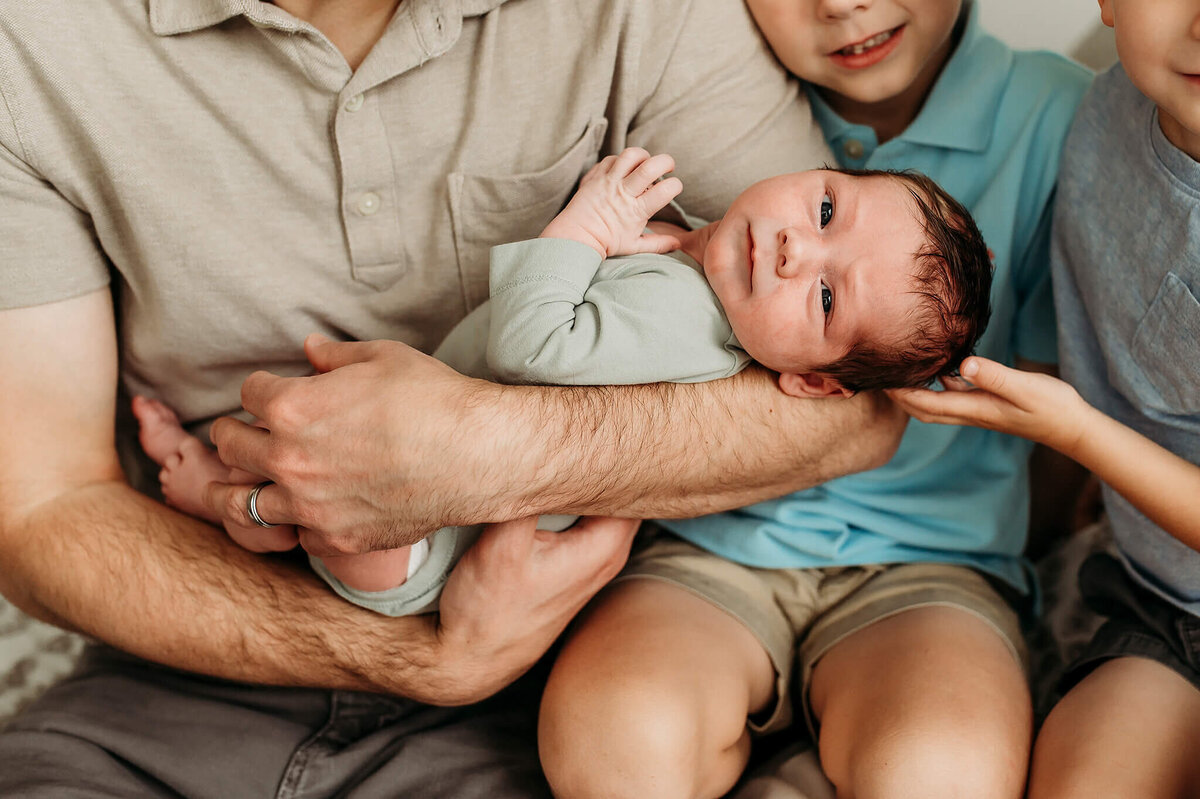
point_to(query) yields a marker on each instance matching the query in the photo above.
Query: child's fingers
(987, 374)
(650, 170)
(945, 407)
(912, 400)
(656, 242)
(660, 194)
(951, 383)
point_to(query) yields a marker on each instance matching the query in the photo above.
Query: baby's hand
(615, 201)
(1027, 404)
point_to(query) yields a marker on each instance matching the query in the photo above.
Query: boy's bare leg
(926, 704)
(649, 697)
(188, 466)
(1130, 728)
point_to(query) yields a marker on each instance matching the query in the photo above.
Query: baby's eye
(826, 299)
(826, 210)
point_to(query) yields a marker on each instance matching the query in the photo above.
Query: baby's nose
(790, 247)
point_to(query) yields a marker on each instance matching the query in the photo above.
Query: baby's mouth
(750, 261)
(868, 44)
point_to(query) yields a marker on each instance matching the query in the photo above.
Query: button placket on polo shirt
(368, 190)
(421, 29)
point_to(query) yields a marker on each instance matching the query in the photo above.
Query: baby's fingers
(648, 171)
(660, 194)
(655, 242)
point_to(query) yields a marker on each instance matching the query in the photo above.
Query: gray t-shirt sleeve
(48, 250)
(562, 315)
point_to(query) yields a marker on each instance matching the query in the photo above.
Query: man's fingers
(599, 543)
(230, 502)
(259, 389)
(242, 446)
(325, 354)
(512, 541)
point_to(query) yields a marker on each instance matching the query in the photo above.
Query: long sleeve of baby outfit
(561, 314)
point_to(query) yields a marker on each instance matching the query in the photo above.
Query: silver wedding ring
(252, 504)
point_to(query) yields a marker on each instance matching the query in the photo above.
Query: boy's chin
(866, 90)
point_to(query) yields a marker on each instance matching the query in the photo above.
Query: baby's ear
(812, 385)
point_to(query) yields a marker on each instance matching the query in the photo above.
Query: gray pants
(120, 727)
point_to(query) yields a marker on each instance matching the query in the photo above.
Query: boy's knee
(633, 742)
(942, 764)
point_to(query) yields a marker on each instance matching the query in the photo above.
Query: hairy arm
(438, 448)
(82, 550)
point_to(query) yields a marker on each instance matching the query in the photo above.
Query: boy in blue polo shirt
(889, 592)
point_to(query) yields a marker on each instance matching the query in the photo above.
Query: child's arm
(1049, 411)
(561, 313)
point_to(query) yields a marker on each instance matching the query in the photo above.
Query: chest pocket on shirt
(1166, 347)
(491, 210)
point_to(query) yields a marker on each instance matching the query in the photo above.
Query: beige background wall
(1071, 27)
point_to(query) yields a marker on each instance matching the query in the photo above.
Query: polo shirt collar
(171, 17)
(974, 77)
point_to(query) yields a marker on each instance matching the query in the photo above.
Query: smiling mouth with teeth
(868, 44)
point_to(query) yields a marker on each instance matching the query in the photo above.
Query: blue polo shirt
(990, 132)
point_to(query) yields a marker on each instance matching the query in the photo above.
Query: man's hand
(341, 456)
(513, 593)
(1035, 406)
(616, 199)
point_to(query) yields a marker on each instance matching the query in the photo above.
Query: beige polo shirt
(219, 163)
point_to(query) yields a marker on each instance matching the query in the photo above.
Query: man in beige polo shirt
(187, 188)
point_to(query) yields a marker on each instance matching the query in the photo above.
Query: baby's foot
(159, 429)
(186, 474)
(187, 465)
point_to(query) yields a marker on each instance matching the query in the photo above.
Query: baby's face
(807, 265)
(865, 50)
(1159, 45)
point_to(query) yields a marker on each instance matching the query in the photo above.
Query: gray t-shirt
(1126, 260)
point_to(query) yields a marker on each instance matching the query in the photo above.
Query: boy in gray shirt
(1126, 260)
(841, 281)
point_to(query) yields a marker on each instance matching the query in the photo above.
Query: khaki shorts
(800, 614)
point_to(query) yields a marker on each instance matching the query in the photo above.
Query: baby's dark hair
(954, 281)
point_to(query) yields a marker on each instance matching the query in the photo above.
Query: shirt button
(368, 203)
(354, 103)
(853, 149)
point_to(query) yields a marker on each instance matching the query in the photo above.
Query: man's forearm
(115, 565)
(385, 445)
(675, 450)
